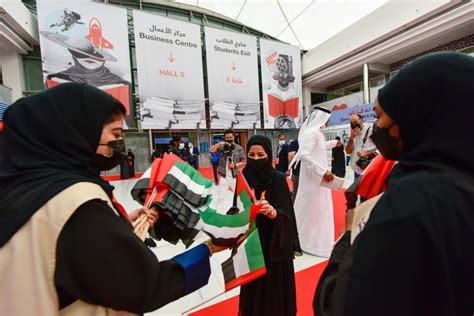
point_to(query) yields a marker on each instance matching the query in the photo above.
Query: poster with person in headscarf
(86, 42)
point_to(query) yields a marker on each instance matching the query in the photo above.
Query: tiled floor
(213, 292)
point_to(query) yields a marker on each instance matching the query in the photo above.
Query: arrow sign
(234, 67)
(171, 58)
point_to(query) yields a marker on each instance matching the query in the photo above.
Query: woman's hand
(152, 215)
(267, 210)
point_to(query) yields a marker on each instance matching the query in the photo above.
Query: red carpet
(339, 204)
(306, 280)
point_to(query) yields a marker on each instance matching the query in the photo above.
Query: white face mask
(181, 146)
(281, 142)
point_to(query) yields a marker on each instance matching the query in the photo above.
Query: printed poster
(82, 41)
(232, 69)
(281, 85)
(170, 75)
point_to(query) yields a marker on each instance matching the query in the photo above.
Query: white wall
(388, 19)
(18, 17)
(5, 95)
(13, 74)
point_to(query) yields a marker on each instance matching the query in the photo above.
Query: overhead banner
(341, 116)
(232, 72)
(86, 42)
(170, 76)
(344, 102)
(281, 85)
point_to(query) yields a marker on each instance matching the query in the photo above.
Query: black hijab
(47, 145)
(431, 101)
(259, 181)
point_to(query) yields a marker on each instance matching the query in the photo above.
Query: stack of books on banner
(223, 114)
(188, 113)
(165, 113)
(247, 114)
(226, 115)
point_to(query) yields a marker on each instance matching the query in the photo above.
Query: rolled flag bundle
(177, 190)
(245, 264)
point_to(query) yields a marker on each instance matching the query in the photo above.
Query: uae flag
(230, 212)
(372, 182)
(177, 189)
(188, 183)
(246, 263)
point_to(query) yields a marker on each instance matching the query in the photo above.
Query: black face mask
(117, 146)
(104, 163)
(354, 125)
(256, 165)
(386, 143)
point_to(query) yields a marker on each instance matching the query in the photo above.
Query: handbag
(363, 162)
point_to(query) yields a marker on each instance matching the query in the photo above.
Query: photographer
(360, 145)
(228, 148)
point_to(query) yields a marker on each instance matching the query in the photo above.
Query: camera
(227, 149)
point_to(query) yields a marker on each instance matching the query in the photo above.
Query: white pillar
(366, 91)
(13, 74)
(151, 141)
(306, 101)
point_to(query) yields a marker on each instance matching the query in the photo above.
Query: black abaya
(127, 166)
(338, 161)
(274, 293)
(415, 255)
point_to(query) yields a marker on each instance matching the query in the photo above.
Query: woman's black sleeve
(101, 261)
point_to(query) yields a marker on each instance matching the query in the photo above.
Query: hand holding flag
(142, 224)
(266, 209)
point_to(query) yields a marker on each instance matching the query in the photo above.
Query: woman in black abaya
(415, 255)
(274, 293)
(127, 166)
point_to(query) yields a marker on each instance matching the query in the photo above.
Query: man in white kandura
(313, 203)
